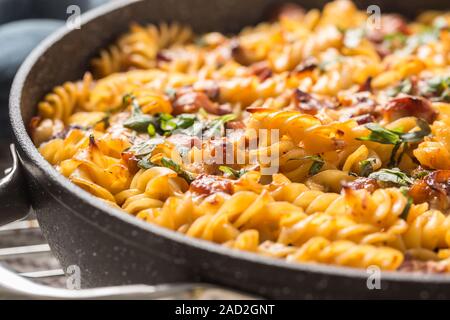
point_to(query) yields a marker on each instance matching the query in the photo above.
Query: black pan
(114, 248)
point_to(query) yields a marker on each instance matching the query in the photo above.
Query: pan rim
(27, 146)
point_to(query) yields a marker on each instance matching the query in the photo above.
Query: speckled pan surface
(113, 248)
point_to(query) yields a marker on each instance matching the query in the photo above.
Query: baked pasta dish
(318, 136)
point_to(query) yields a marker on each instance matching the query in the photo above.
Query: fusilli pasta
(311, 137)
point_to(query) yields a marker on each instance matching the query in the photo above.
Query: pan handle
(13, 286)
(14, 203)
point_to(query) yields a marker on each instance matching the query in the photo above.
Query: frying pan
(113, 248)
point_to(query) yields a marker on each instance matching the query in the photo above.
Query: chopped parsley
(169, 163)
(396, 138)
(392, 176)
(232, 172)
(366, 166)
(216, 127)
(405, 212)
(437, 88)
(138, 120)
(404, 86)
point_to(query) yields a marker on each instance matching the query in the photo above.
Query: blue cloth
(11, 10)
(35, 19)
(23, 24)
(18, 39)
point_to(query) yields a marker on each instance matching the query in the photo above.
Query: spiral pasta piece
(58, 150)
(347, 253)
(429, 230)
(435, 151)
(109, 61)
(150, 188)
(139, 48)
(65, 99)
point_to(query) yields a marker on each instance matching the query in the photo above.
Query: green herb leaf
(438, 88)
(394, 176)
(145, 147)
(417, 136)
(366, 167)
(127, 99)
(184, 121)
(169, 163)
(216, 127)
(168, 124)
(145, 163)
(404, 86)
(317, 163)
(395, 40)
(195, 130)
(381, 135)
(405, 212)
(428, 35)
(420, 173)
(316, 167)
(151, 130)
(138, 121)
(396, 138)
(395, 36)
(104, 120)
(232, 172)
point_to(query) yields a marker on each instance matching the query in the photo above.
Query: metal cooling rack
(29, 270)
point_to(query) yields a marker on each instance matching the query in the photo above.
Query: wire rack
(23, 250)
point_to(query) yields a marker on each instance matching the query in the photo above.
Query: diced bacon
(309, 64)
(390, 24)
(408, 106)
(237, 124)
(307, 103)
(130, 161)
(209, 184)
(192, 101)
(434, 188)
(362, 183)
(209, 87)
(262, 70)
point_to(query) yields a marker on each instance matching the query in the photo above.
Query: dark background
(23, 24)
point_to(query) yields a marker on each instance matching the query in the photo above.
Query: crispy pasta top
(315, 137)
